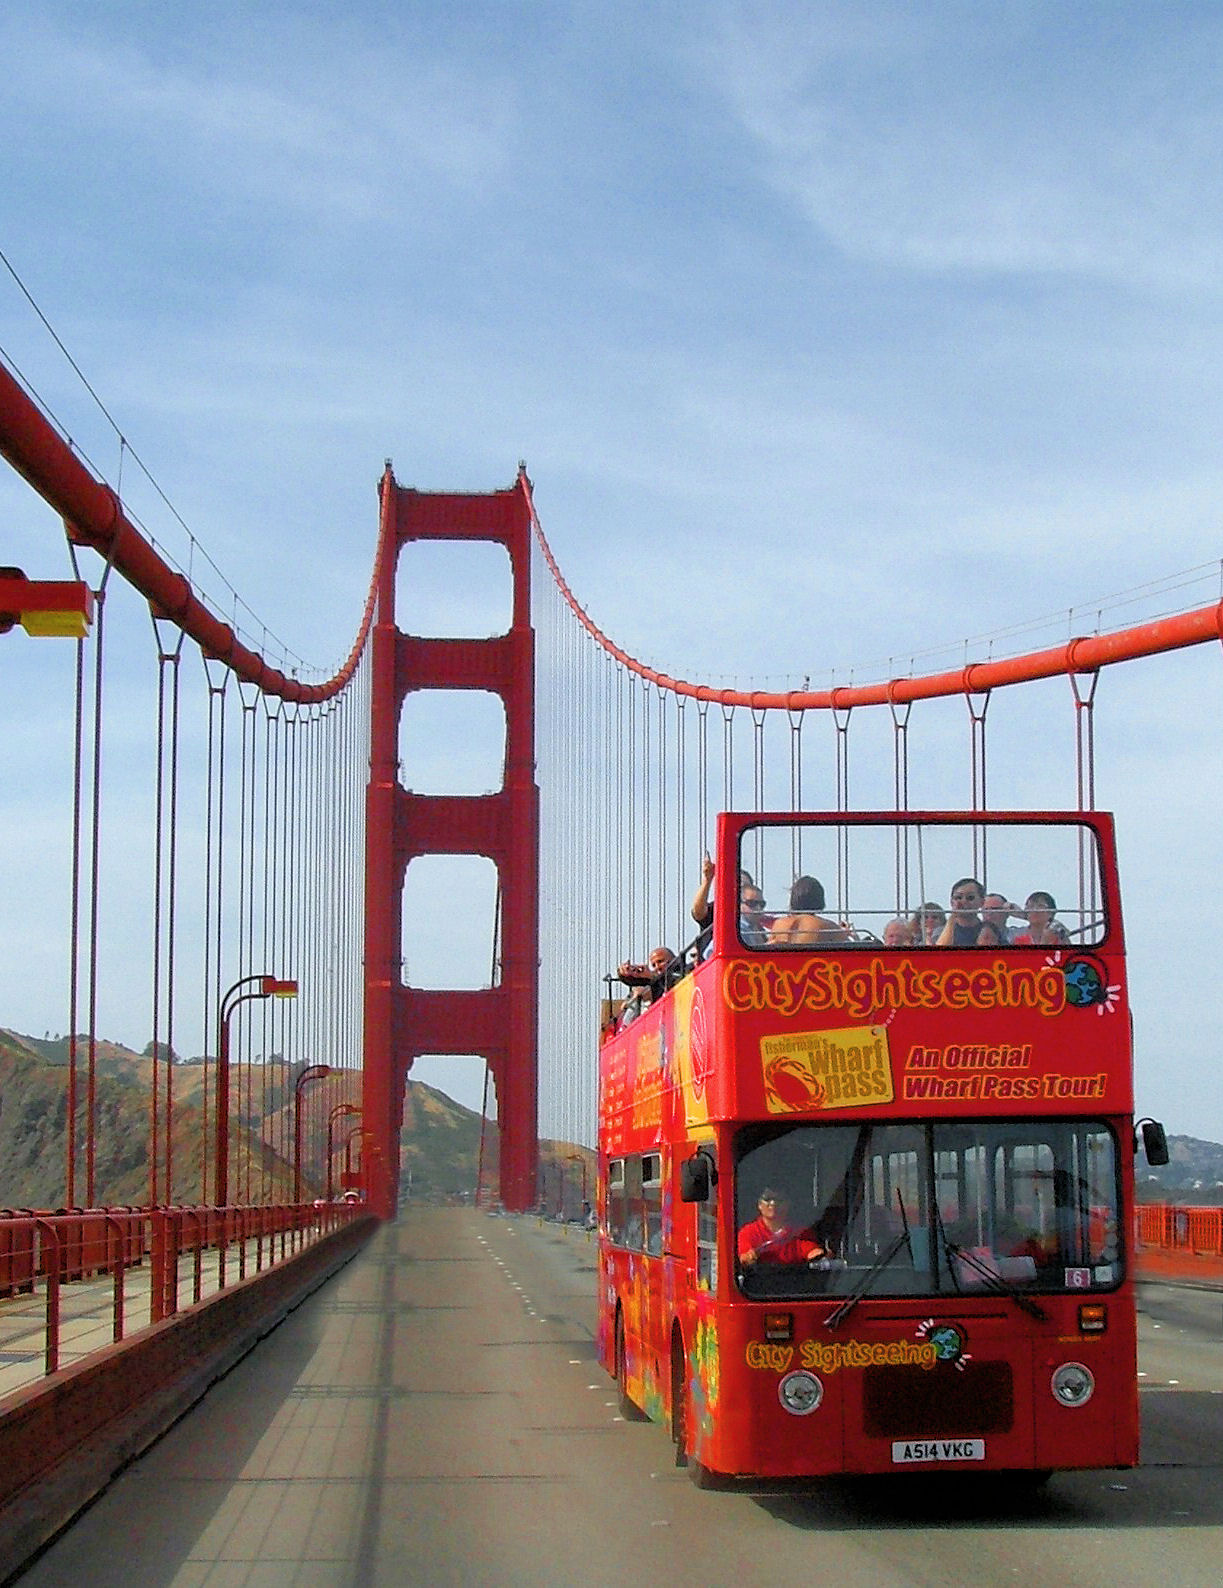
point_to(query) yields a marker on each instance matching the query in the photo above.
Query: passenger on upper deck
(965, 928)
(770, 1238)
(1043, 930)
(995, 912)
(926, 925)
(661, 972)
(898, 934)
(803, 925)
(751, 903)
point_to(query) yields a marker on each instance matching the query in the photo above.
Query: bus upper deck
(983, 1005)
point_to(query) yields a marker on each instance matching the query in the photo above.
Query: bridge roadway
(434, 1415)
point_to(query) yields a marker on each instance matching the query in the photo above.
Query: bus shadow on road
(1168, 1496)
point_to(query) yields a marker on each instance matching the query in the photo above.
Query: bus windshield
(918, 883)
(927, 1208)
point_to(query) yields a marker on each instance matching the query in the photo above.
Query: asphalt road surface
(435, 1416)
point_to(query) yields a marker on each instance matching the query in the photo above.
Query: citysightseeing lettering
(830, 1356)
(822, 984)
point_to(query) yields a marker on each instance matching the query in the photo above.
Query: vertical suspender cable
(661, 915)
(95, 869)
(840, 718)
(758, 720)
(728, 758)
(75, 928)
(647, 791)
(796, 788)
(172, 913)
(900, 794)
(629, 873)
(246, 893)
(980, 800)
(704, 836)
(682, 935)
(1085, 787)
(213, 893)
(273, 718)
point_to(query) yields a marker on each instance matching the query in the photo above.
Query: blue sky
(868, 329)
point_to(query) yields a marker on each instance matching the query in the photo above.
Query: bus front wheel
(629, 1410)
(681, 1420)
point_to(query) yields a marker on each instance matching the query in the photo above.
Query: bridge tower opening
(499, 1022)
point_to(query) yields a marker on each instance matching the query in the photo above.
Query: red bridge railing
(158, 1261)
(1176, 1242)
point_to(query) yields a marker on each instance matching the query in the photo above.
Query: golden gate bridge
(282, 831)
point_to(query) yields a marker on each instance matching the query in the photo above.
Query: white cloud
(311, 120)
(956, 142)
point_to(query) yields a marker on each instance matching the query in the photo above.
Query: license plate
(910, 1450)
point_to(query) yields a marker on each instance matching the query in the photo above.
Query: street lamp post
(312, 1072)
(242, 991)
(338, 1112)
(357, 1130)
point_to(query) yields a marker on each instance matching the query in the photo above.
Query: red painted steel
(61, 607)
(1083, 655)
(94, 516)
(498, 1023)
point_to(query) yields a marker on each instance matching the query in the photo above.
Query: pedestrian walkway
(421, 1419)
(87, 1309)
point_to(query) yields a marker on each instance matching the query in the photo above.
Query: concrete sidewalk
(87, 1311)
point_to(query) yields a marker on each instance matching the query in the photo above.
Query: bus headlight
(1072, 1384)
(800, 1393)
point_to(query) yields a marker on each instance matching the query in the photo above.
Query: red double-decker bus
(866, 1155)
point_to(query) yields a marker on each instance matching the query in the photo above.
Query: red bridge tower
(499, 1023)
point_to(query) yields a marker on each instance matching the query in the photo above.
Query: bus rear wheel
(629, 1409)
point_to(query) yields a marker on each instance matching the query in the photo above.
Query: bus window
(707, 1235)
(857, 877)
(634, 1224)
(617, 1213)
(651, 1202)
(936, 1207)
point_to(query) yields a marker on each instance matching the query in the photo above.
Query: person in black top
(752, 926)
(965, 928)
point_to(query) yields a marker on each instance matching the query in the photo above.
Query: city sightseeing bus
(951, 1286)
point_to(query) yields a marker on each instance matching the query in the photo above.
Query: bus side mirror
(697, 1178)
(1154, 1142)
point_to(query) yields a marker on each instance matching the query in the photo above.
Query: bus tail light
(779, 1325)
(1093, 1318)
(1072, 1384)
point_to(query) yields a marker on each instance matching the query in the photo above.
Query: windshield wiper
(990, 1279)
(835, 1319)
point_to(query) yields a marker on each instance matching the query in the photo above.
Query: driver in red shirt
(772, 1239)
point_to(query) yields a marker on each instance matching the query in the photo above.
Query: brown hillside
(440, 1141)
